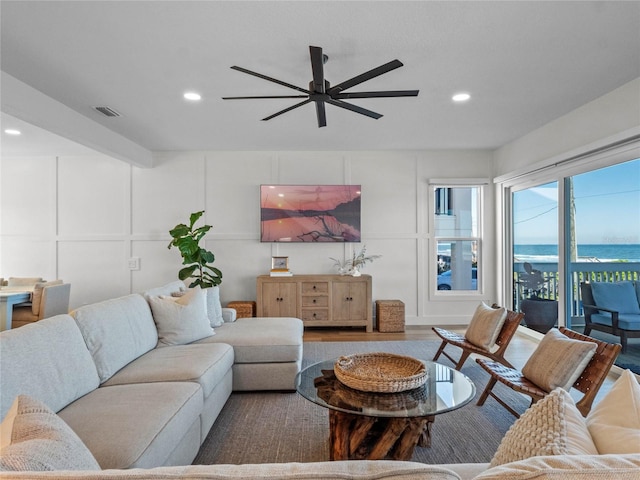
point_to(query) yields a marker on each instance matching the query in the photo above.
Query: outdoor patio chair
(617, 312)
(588, 382)
(459, 340)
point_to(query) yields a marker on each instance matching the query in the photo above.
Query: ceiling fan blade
(354, 108)
(363, 77)
(317, 68)
(265, 96)
(264, 77)
(388, 93)
(321, 114)
(288, 109)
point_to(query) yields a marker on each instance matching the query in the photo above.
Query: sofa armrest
(229, 314)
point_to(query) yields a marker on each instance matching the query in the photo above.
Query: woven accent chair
(589, 381)
(458, 340)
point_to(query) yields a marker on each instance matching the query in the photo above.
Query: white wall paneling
(165, 195)
(110, 211)
(96, 269)
(93, 196)
(28, 196)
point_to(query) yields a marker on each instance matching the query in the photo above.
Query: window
(456, 235)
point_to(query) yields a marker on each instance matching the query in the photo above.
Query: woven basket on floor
(380, 372)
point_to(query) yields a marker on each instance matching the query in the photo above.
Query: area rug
(267, 427)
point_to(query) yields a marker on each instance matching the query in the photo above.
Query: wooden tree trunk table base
(359, 437)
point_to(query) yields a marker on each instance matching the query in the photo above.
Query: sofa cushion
(568, 467)
(618, 296)
(551, 426)
(262, 339)
(39, 440)
(343, 470)
(558, 361)
(485, 326)
(614, 422)
(205, 364)
(47, 360)
(117, 331)
(181, 320)
(139, 425)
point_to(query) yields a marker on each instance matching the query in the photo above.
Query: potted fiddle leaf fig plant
(197, 260)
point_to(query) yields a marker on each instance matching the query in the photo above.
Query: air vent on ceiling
(107, 111)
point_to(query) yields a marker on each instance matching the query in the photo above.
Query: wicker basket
(243, 308)
(380, 372)
(390, 315)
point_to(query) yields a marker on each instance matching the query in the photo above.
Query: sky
(607, 208)
(306, 197)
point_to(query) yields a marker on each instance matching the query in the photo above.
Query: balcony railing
(580, 272)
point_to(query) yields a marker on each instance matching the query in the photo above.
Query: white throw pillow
(214, 307)
(614, 422)
(558, 361)
(181, 320)
(40, 440)
(551, 426)
(485, 326)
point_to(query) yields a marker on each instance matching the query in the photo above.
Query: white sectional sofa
(133, 403)
(93, 396)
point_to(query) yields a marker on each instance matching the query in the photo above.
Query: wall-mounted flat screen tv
(310, 213)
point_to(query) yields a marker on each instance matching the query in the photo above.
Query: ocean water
(607, 252)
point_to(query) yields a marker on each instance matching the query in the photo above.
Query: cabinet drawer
(315, 315)
(315, 287)
(320, 301)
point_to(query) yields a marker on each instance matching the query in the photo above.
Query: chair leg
(486, 392)
(623, 341)
(444, 344)
(587, 330)
(463, 358)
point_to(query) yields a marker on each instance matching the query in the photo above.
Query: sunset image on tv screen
(310, 213)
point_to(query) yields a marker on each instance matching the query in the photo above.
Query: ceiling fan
(321, 92)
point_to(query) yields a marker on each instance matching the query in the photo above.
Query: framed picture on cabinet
(279, 264)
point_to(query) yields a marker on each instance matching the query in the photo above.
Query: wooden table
(9, 298)
(374, 426)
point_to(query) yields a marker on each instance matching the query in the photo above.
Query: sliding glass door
(535, 255)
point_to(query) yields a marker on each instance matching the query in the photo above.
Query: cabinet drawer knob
(314, 300)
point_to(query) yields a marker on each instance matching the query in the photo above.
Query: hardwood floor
(519, 351)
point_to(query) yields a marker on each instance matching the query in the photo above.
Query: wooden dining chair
(458, 340)
(52, 299)
(589, 381)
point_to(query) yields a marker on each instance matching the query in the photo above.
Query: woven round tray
(380, 372)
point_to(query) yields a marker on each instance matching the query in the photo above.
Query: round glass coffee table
(373, 426)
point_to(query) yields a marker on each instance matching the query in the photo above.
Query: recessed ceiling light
(12, 131)
(461, 97)
(193, 96)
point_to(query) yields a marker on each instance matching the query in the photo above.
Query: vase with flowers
(353, 265)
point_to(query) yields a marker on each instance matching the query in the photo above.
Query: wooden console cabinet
(319, 300)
